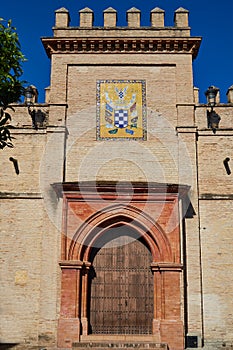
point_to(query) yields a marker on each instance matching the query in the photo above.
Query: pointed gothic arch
(96, 225)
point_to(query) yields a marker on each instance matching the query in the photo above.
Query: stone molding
(124, 45)
(163, 266)
(143, 191)
(21, 195)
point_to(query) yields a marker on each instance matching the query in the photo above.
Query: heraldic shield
(121, 109)
(121, 118)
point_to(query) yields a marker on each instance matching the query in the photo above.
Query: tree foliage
(11, 87)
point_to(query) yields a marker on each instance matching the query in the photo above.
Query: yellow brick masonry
(179, 149)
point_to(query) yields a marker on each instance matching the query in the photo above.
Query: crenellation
(62, 18)
(47, 94)
(230, 94)
(196, 95)
(86, 18)
(157, 17)
(133, 16)
(181, 18)
(110, 17)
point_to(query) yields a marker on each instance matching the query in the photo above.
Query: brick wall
(179, 149)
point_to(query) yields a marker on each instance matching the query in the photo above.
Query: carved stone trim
(71, 264)
(124, 45)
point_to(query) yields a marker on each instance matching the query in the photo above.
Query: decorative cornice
(115, 189)
(121, 45)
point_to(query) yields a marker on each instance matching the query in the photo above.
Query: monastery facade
(116, 199)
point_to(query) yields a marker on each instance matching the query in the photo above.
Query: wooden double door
(121, 286)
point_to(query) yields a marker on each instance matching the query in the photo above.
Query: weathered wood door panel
(121, 293)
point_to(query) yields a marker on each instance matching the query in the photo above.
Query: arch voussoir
(95, 226)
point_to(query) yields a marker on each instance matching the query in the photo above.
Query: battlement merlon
(111, 38)
(133, 18)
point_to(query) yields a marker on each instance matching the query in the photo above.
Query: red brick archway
(89, 213)
(119, 214)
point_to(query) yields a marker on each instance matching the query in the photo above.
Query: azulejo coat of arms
(121, 109)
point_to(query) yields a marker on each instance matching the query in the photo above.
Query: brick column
(157, 303)
(69, 321)
(84, 318)
(167, 306)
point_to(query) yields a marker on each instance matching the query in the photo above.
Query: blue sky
(210, 19)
